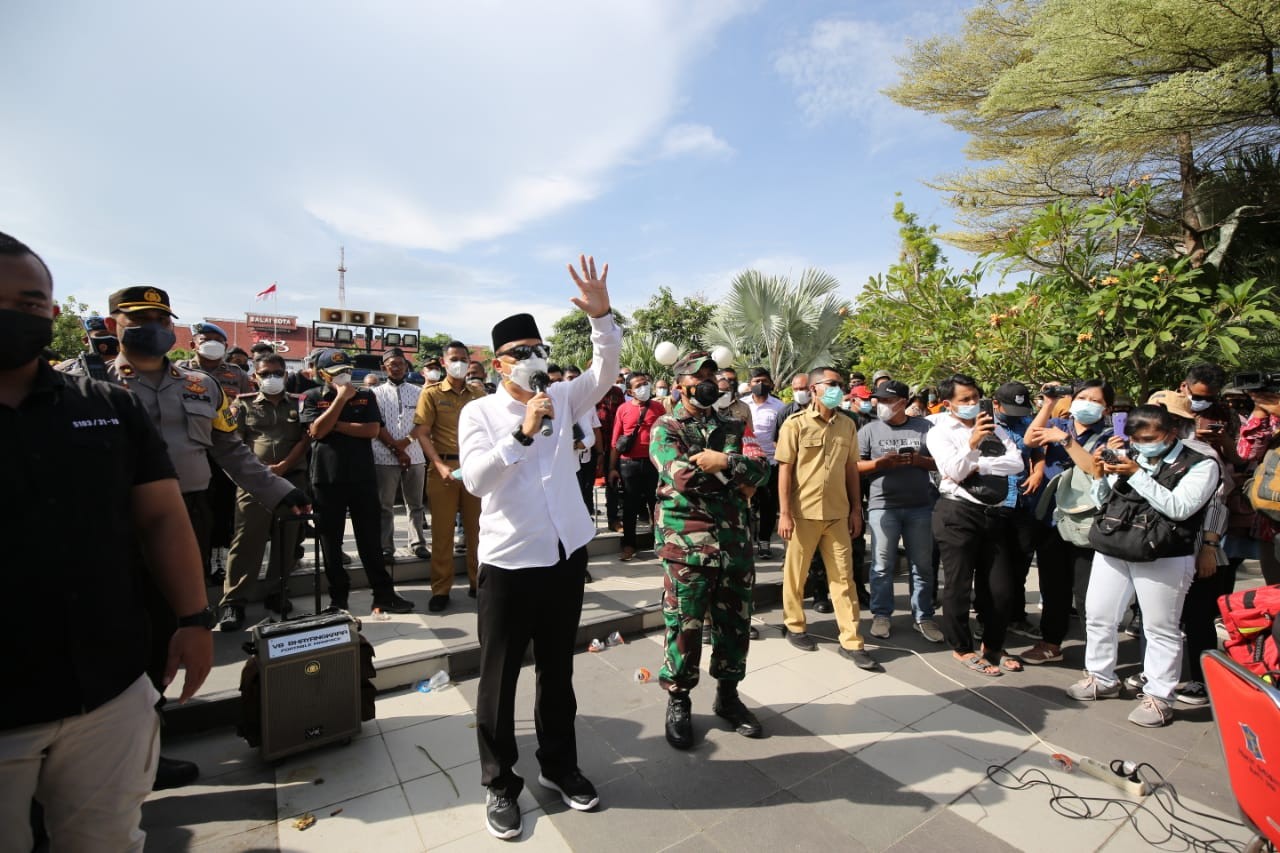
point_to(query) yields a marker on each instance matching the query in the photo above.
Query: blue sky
(462, 153)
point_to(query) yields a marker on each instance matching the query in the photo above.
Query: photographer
(1152, 503)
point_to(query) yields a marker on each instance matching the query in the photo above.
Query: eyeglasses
(522, 351)
(265, 374)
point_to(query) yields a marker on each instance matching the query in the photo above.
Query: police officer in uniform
(210, 344)
(269, 423)
(194, 418)
(704, 539)
(343, 421)
(100, 348)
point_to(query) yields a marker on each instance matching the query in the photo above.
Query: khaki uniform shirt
(270, 429)
(819, 450)
(438, 410)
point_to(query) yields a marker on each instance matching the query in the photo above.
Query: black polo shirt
(339, 458)
(72, 578)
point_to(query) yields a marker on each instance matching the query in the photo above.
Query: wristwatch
(1212, 543)
(202, 619)
(519, 436)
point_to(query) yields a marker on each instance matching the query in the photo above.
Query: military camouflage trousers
(708, 590)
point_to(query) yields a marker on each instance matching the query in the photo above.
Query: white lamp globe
(666, 353)
(723, 356)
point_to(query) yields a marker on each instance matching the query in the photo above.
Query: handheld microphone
(540, 382)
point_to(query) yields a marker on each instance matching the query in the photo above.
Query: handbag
(624, 442)
(1131, 529)
(1068, 494)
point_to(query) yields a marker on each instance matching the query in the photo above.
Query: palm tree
(788, 328)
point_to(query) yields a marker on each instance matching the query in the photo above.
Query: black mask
(105, 346)
(22, 337)
(704, 393)
(149, 339)
(760, 389)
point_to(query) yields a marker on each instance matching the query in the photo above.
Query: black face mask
(22, 337)
(760, 390)
(148, 340)
(105, 346)
(704, 393)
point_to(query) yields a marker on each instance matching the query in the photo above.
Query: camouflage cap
(693, 362)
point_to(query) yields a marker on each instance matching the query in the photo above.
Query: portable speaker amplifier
(310, 678)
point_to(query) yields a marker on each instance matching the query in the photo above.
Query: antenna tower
(342, 277)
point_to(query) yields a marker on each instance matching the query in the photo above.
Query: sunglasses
(269, 373)
(524, 351)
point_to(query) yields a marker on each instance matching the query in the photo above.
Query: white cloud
(214, 148)
(696, 139)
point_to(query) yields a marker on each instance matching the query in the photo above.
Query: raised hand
(594, 298)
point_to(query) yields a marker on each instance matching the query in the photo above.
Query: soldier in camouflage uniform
(704, 463)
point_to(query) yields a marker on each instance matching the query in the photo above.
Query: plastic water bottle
(595, 646)
(435, 683)
(642, 676)
(615, 639)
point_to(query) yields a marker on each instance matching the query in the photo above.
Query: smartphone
(984, 406)
(1208, 425)
(1118, 422)
(906, 451)
(1109, 456)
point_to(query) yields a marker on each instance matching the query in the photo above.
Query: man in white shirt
(397, 456)
(975, 459)
(518, 458)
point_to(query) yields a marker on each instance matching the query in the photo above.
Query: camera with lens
(1257, 381)
(1056, 391)
(1109, 456)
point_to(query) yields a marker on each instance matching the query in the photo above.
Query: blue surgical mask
(866, 407)
(832, 397)
(966, 413)
(1086, 411)
(1151, 451)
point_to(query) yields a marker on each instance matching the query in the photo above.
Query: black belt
(998, 510)
(452, 456)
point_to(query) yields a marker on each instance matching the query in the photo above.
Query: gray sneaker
(1136, 682)
(1152, 713)
(1089, 688)
(930, 630)
(880, 627)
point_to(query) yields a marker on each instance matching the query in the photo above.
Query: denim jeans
(912, 526)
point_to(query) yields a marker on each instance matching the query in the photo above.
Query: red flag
(265, 293)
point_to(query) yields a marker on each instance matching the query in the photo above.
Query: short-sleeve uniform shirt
(438, 410)
(820, 450)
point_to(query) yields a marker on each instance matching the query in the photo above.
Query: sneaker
(574, 789)
(422, 552)
(763, 551)
(232, 618)
(1134, 628)
(801, 640)
(502, 816)
(880, 627)
(393, 604)
(1151, 713)
(438, 603)
(1089, 689)
(822, 605)
(680, 721)
(1191, 693)
(1042, 652)
(1136, 682)
(1025, 628)
(728, 705)
(861, 659)
(628, 554)
(930, 630)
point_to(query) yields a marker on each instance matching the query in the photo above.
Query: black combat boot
(680, 721)
(730, 707)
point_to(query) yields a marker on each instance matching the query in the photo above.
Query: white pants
(1161, 585)
(90, 772)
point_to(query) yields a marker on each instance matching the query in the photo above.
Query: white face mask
(847, 405)
(641, 393)
(884, 411)
(434, 375)
(272, 385)
(724, 401)
(212, 350)
(801, 397)
(457, 369)
(340, 379)
(522, 371)
(664, 392)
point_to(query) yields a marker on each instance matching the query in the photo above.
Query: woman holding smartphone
(1153, 498)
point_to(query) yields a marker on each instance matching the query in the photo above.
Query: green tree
(68, 328)
(571, 338)
(767, 320)
(1067, 98)
(683, 323)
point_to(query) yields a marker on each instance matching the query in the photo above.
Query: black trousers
(332, 502)
(515, 607)
(1058, 564)
(639, 492)
(764, 505)
(222, 505)
(1022, 534)
(1199, 609)
(587, 484)
(971, 539)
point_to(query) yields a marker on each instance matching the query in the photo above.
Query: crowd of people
(1132, 516)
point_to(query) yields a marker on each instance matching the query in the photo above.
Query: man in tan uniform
(820, 508)
(437, 431)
